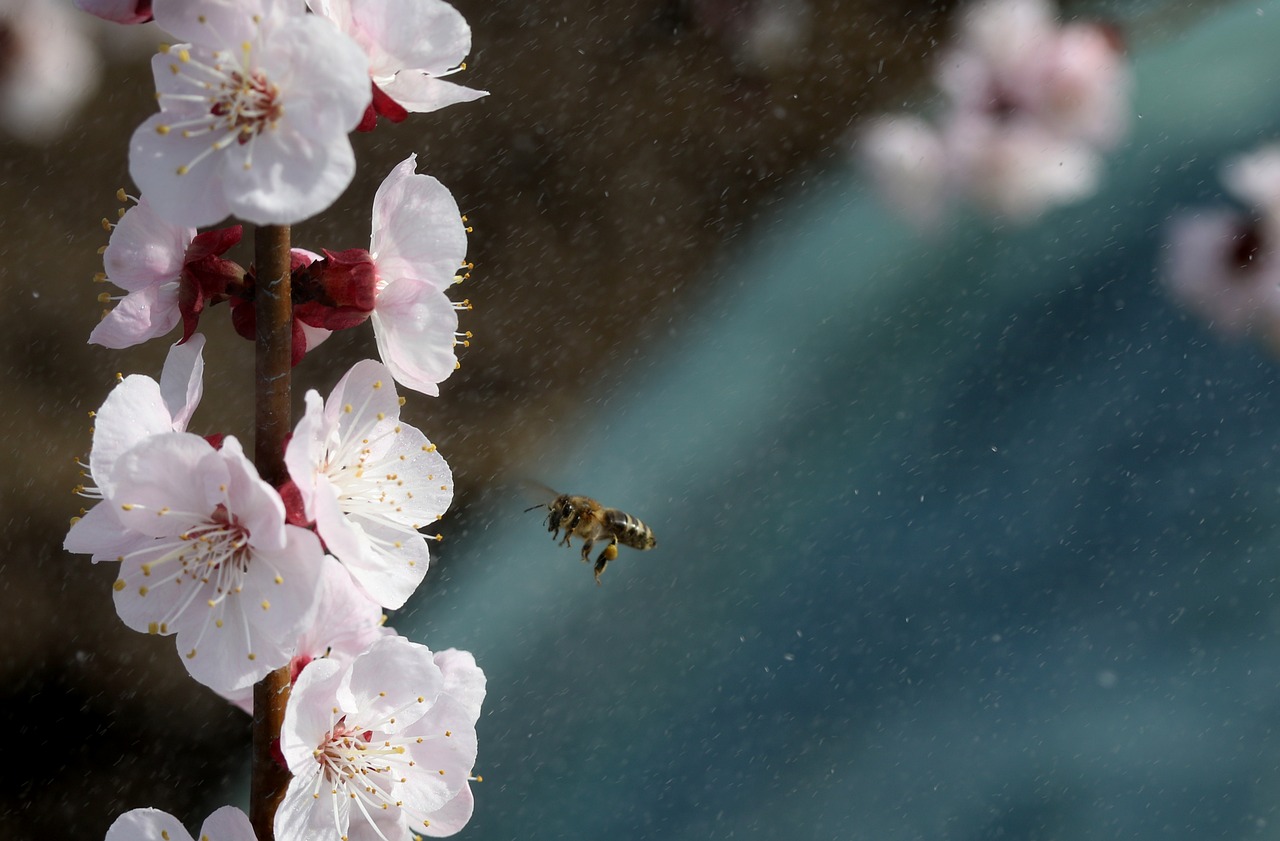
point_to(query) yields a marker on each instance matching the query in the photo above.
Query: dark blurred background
(960, 537)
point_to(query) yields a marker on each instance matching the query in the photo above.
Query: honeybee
(583, 516)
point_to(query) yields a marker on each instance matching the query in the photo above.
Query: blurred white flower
(1221, 268)
(1030, 105)
(48, 67)
(1224, 265)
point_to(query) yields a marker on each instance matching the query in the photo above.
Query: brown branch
(273, 313)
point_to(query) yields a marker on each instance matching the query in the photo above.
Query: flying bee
(583, 516)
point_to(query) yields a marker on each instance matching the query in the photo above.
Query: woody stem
(273, 312)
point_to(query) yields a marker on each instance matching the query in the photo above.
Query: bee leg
(610, 552)
(586, 550)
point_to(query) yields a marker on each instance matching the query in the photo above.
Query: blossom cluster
(1030, 106)
(256, 103)
(171, 274)
(1224, 264)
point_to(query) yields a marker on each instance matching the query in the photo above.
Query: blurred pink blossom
(1030, 106)
(1223, 264)
(50, 66)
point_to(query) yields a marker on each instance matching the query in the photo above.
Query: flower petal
(182, 380)
(147, 825)
(393, 684)
(414, 324)
(417, 228)
(420, 93)
(137, 317)
(145, 249)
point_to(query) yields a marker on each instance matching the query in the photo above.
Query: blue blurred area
(969, 537)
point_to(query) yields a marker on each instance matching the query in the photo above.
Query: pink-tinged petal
(414, 325)
(132, 412)
(306, 450)
(417, 228)
(386, 823)
(255, 632)
(285, 587)
(117, 11)
(50, 68)
(252, 501)
(1088, 86)
(364, 399)
(227, 651)
(309, 716)
(304, 817)
(425, 482)
(1007, 34)
(145, 249)
(166, 482)
(1220, 269)
(450, 818)
(148, 825)
(219, 23)
(100, 534)
(347, 621)
(1018, 168)
(138, 408)
(393, 684)
(314, 336)
(337, 11)
(193, 198)
(182, 380)
(417, 92)
(905, 159)
(227, 824)
(463, 680)
(1254, 179)
(448, 745)
(392, 560)
(428, 35)
(147, 596)
(138, 317)
(340, 535)
(292, 177)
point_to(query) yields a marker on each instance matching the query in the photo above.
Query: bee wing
(533, 490)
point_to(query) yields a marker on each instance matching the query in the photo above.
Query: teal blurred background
(963, 537)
